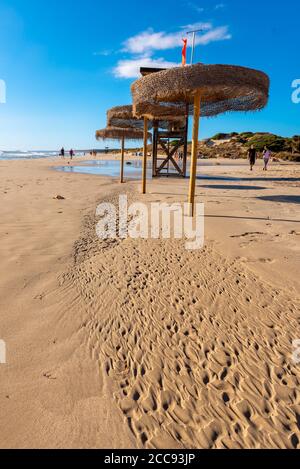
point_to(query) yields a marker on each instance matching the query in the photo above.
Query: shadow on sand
(246, 179)
(283, 199)
(264, 219)
(237, 187)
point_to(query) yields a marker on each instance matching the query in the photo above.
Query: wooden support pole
(154, 148)
(122, 160)
(145, 155)
(193, 170)
(185, 148)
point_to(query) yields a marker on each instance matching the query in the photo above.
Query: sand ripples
(198, 348)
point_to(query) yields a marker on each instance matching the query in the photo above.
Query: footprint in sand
(295, 233)
(206, 364)
(266, 261)
(250, 234)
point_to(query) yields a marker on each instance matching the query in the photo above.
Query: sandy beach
(141, 343)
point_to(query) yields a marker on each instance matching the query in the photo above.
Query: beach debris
(49, 375)
(39, 297)
(59, 197)
(253, 233)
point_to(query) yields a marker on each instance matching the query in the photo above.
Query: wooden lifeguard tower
(170, 142)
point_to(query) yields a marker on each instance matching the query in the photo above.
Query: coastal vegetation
(236, 145)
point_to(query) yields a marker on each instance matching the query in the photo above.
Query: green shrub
(240, 139)
(220, 136)
(173, 143)
(295, 143)
(272, 142)
(246, 135)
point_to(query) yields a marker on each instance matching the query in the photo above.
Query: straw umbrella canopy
(222, 88)
(219, 89)
(165, 112)
(118, 133)
(124, 116)
(122, 134)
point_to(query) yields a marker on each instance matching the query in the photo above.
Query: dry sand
(115, 344)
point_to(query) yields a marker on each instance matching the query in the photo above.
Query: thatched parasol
(118, 133)
(219, 88)
(124, 116)
(232, 88)
(163, 112)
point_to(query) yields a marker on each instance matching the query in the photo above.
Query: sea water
(30, 155)
(132, 169)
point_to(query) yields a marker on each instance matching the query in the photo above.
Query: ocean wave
(26, 155)
(30, 155)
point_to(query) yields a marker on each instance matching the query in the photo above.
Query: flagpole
(194, 33)
(193, 170)
(193, 47)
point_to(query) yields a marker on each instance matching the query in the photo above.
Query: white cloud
(130, 68)
(217, 34)
(196, 26)
(195, 7)
(142, 47)
(104, 53)
(149, 41)
(219, 6)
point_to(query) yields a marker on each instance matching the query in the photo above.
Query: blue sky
(65, 62)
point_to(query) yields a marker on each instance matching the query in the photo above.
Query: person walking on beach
(71, 154)
(252, 157)
(266, 157)
(62, 152)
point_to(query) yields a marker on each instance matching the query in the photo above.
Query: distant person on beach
(252, 157)
(266, 157)
(62, 152)
(71, 154)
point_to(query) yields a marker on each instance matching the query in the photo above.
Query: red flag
(184, 52)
